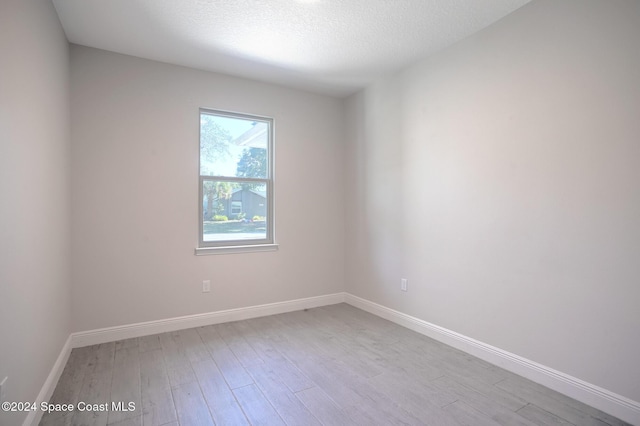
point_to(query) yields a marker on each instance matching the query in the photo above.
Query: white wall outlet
(206, 286)
(3, 390)
(403, 284)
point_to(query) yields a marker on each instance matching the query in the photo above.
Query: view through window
(235, 179)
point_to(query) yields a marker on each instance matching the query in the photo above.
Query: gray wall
(514, 158)
(135, 193)
(34, 197)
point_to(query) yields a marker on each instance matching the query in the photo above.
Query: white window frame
(239, 245)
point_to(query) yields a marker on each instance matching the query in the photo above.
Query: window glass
(233, 146)
(235, 179)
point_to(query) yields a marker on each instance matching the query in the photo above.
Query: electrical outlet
(206, 286)
(403, 284)
(3, 389)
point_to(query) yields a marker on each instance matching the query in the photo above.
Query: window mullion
(234, 179)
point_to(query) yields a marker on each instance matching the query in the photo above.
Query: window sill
(204, 251)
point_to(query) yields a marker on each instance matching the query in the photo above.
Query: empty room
(319, 212)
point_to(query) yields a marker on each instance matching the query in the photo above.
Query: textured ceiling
(328, 46)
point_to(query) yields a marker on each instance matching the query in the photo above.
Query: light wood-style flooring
(335, 365)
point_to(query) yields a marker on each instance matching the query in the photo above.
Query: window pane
(236, 207)
(231, 146)
(234, 211)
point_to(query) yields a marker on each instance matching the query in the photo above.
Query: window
(236, 207)
(236, 181)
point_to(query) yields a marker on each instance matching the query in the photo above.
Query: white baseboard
(33, 418)
(590, 394)
(110, 334)
(595, 396)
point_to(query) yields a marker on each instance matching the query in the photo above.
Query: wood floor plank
(181, 375)
(95, 390)
(157, 400)
(400, 357)
(256, 407)
(290, 375)
(287, 372)
(132, 421)
(476, 399)
(464, 415)
(509, 418)
(174, 354)
(222, 403)
(126, 343)
(549, 403)
(422, 406)
(271, 327)
(125, 383)
(358, 415)
(149, 343)
(238, 345)
(386, 411)
(347, 389)
(209, 335)
(103, 356)
(324, 378)
(507, 399)
(176, 359)
(192, 345)
(69, 386)
(452, 362)
(191, 407)
(57, 418)
(412, 391)
(288, 406)
(233, 372)
(323, 407)
(380, 329)
(540, 417)
(332, 345)
(568, 401)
